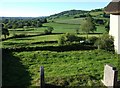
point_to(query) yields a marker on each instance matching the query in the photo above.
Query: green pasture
(76, 68)
(96, 13)
(71, 21)
(67, 68)
(30, 41)
(71, 28)
(62, 28)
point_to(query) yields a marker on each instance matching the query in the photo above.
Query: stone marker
(110, 76)
(42, 82)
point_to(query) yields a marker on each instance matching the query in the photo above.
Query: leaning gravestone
(42, 82)
(110, 76)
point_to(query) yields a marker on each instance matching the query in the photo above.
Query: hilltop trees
(88, 26)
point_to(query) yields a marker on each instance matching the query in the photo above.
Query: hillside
(69, 12)
(78, 14)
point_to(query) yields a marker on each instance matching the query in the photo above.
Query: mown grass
(71, 21)
(62, 27)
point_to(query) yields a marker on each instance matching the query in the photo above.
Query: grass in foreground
(73, 68)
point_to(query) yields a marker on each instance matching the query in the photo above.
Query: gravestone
(110, 76)
(42, 81)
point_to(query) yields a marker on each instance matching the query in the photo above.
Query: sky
(36, 8)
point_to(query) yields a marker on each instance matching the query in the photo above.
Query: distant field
(96, 13)
(63, 28)
(71, 21)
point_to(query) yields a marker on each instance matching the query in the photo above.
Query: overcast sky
(35, 8)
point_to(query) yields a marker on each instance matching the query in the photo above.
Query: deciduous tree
(4, 31)
(88, 26)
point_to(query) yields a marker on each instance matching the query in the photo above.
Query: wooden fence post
(42, 81)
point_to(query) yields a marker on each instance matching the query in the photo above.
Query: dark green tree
(4, 31)
(50, 29)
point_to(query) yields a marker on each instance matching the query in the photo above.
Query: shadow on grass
(16, 44)
(52, 86)
(14, 73)
(44, 42)
(72, 47)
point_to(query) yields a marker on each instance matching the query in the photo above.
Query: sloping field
(71, 21)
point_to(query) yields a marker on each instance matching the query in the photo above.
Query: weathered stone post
(113, 9)
(42, 81)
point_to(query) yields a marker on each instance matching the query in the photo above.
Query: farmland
(72, 65)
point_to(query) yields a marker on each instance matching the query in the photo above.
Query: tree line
(20, 22)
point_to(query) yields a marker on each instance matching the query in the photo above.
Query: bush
(61, 40)
(67, 39)
(78, 39)
(70, 37)
(92, 39)
(48, 30)
(105, 42)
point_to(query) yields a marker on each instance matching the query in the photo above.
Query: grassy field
(30, 41)
(76, 68)
(66, 66)
(71, 21)
(60, 25)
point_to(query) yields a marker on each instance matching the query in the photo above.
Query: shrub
(78, 39)
(70, 37)
(61, 40)
(48, 30)
(67, 39)
(105, 42)
(92, 39)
